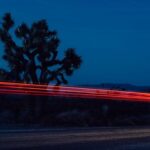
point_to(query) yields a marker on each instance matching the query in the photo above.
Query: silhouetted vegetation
(35, 60)
(32, 56)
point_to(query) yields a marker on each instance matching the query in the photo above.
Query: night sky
(112, 36)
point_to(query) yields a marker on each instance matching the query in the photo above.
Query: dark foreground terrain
(77, 138)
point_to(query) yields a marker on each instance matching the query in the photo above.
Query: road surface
(135, 138)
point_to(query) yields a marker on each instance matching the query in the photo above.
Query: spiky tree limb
(38, 52)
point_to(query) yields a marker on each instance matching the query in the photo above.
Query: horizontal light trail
(73, 92)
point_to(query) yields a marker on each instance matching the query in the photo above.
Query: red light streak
(73, 92)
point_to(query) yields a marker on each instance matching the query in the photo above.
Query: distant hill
(113, 86)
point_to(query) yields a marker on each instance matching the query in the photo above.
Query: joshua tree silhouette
(32, 56)
(35, 58)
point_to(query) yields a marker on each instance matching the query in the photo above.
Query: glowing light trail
(73, 92)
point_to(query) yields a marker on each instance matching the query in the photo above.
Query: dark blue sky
(112, 36)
